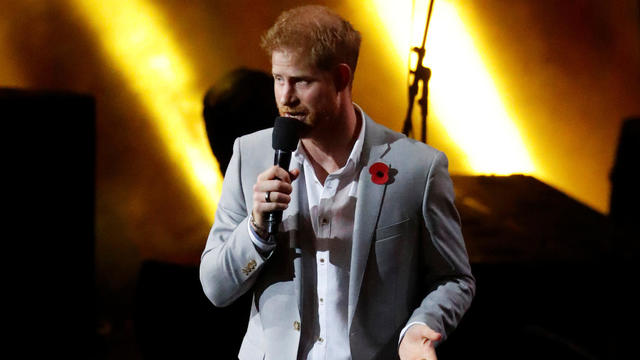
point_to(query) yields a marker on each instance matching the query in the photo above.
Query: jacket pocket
(392, 230)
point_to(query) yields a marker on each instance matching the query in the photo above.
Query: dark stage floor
(532, 311)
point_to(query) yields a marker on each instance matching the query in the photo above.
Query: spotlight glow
(462, 93)
(134, 37)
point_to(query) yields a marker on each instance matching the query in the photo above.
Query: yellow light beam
(461, 90)
(133, 36)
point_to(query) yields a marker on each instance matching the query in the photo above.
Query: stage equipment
(420, 74)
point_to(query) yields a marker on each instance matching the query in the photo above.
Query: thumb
(294, 174)
(431, 334)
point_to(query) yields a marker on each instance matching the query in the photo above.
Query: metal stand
(420, 74)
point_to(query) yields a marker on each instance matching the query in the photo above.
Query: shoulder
(405, 151)
(257, 140)
(253, 153)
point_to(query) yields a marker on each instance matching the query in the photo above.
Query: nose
(287, 95)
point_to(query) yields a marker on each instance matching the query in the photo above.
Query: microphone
(286, 133)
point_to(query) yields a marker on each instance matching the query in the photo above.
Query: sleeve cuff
(261, 244)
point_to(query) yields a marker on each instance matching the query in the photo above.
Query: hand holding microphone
(271, 193)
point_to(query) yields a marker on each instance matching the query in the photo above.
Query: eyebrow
(295, 77)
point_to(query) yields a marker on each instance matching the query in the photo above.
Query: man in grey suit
(369, 262)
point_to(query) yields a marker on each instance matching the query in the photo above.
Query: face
(303, 91)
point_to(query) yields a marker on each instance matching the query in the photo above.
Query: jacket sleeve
(448, 279)
(230, 262)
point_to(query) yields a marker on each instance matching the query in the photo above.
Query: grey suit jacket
(409, 262)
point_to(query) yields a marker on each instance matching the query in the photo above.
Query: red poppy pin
(379, 173)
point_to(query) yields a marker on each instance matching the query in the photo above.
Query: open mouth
(295, 115)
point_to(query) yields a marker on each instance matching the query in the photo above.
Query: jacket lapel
(370, 196)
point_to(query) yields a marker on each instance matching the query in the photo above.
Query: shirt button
(296, 325)
(320, 340)
(324, 221)
(321, 300)
(322, 260)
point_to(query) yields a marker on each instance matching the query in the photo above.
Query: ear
(342, 76)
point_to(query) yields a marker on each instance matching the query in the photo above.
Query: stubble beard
(319, 122)
(322, 124)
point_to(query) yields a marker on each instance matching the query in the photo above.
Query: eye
(303, 82)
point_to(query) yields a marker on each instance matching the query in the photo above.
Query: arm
(229, 249)
(231, 260)
(448, 273)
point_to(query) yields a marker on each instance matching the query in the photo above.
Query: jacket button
(296, 325)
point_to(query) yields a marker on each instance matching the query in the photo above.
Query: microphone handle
(282, 158)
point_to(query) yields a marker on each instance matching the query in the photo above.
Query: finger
(267, 174)
(260, 208)
(274, 172)
(282, 174)
(260, 197)
(265, 207)
(276, 197)
(273, 186)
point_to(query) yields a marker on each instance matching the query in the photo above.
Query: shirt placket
(323, 259)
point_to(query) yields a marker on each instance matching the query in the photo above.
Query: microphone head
(286, 133)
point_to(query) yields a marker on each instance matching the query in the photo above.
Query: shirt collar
(300, 155)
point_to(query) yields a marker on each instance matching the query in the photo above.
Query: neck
(329, 150)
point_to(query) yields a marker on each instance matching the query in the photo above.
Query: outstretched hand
(418, 343)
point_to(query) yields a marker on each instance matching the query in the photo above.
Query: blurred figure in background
(173, 318)
(240, 103)
(624, 214)
(625, 193)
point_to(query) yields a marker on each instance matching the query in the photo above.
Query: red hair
(324, 36)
